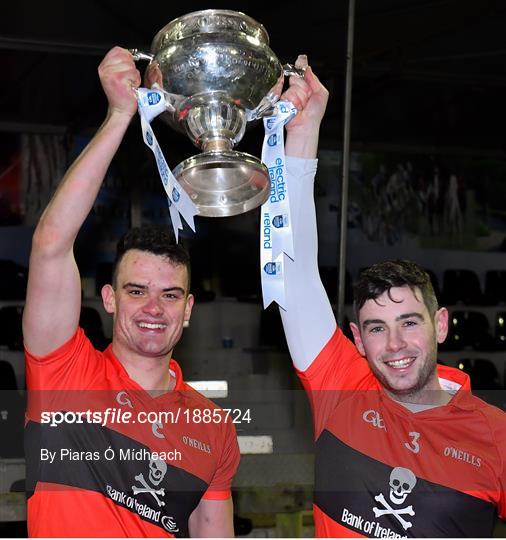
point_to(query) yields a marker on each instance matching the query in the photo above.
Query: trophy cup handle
(171, 101)
(290, 69)
(265, 106)
(139, 55)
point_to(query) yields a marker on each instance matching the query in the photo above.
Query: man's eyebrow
(402, 317)
(174, 289)
(136, 285)
(144, 287)
(414, 314)
(372, 321)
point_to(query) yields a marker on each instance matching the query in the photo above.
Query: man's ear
(358, 338)
(441, 324)
(108, 298)
(188, 309)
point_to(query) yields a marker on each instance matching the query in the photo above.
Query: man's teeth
(151, 326)
(404, 362)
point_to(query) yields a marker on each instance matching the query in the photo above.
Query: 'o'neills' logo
(194, 443)
(461, 455)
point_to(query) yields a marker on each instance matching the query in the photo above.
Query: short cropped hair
(381, 277)
(155, 239)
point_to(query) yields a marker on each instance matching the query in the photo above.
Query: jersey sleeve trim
(212, 495)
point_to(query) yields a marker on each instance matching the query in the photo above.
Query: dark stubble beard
(416, 393)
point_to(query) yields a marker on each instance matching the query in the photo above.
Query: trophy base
(224, 183)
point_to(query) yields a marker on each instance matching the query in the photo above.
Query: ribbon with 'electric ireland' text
(276, 233)
(150, 104)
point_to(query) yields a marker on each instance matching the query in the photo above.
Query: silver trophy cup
(218, 75)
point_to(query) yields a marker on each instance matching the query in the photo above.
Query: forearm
(76, 194)
(302, 142)
(308, 320)
(54, 277)
(53, 300)
(212, 519)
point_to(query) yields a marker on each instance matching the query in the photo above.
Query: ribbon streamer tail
(187, 209)
(269, 298)
(176, 220)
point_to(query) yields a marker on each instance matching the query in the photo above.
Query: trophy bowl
(218, 74)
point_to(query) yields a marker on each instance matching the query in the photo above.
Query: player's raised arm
(308, 320)
(53, 300)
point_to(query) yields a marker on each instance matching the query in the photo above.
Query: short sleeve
(500, 437)
(336, 371)
(220, 486)
(71, 367)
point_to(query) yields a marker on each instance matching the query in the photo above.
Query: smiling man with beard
(398, 328)
(402, 447)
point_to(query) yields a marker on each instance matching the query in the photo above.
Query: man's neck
(422, 400)
(419, 407)
(150, 373)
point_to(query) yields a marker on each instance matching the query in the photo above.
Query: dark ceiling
(426, 74)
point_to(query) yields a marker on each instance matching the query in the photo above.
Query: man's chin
(151, 351)
(401, 388)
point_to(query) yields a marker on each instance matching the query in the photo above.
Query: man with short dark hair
(115, 446)
(156, 239)
(403, 448)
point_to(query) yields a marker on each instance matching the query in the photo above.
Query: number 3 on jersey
(413, 444)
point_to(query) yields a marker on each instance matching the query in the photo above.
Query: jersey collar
(174, 368)
(452, 380)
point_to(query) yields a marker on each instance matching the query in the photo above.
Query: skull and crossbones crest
(157, 470)
(402, 482)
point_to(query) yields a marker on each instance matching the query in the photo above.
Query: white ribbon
(151, 103)
(276, 233)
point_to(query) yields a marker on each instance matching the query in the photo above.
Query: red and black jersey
(136, 476)
(384, 471)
